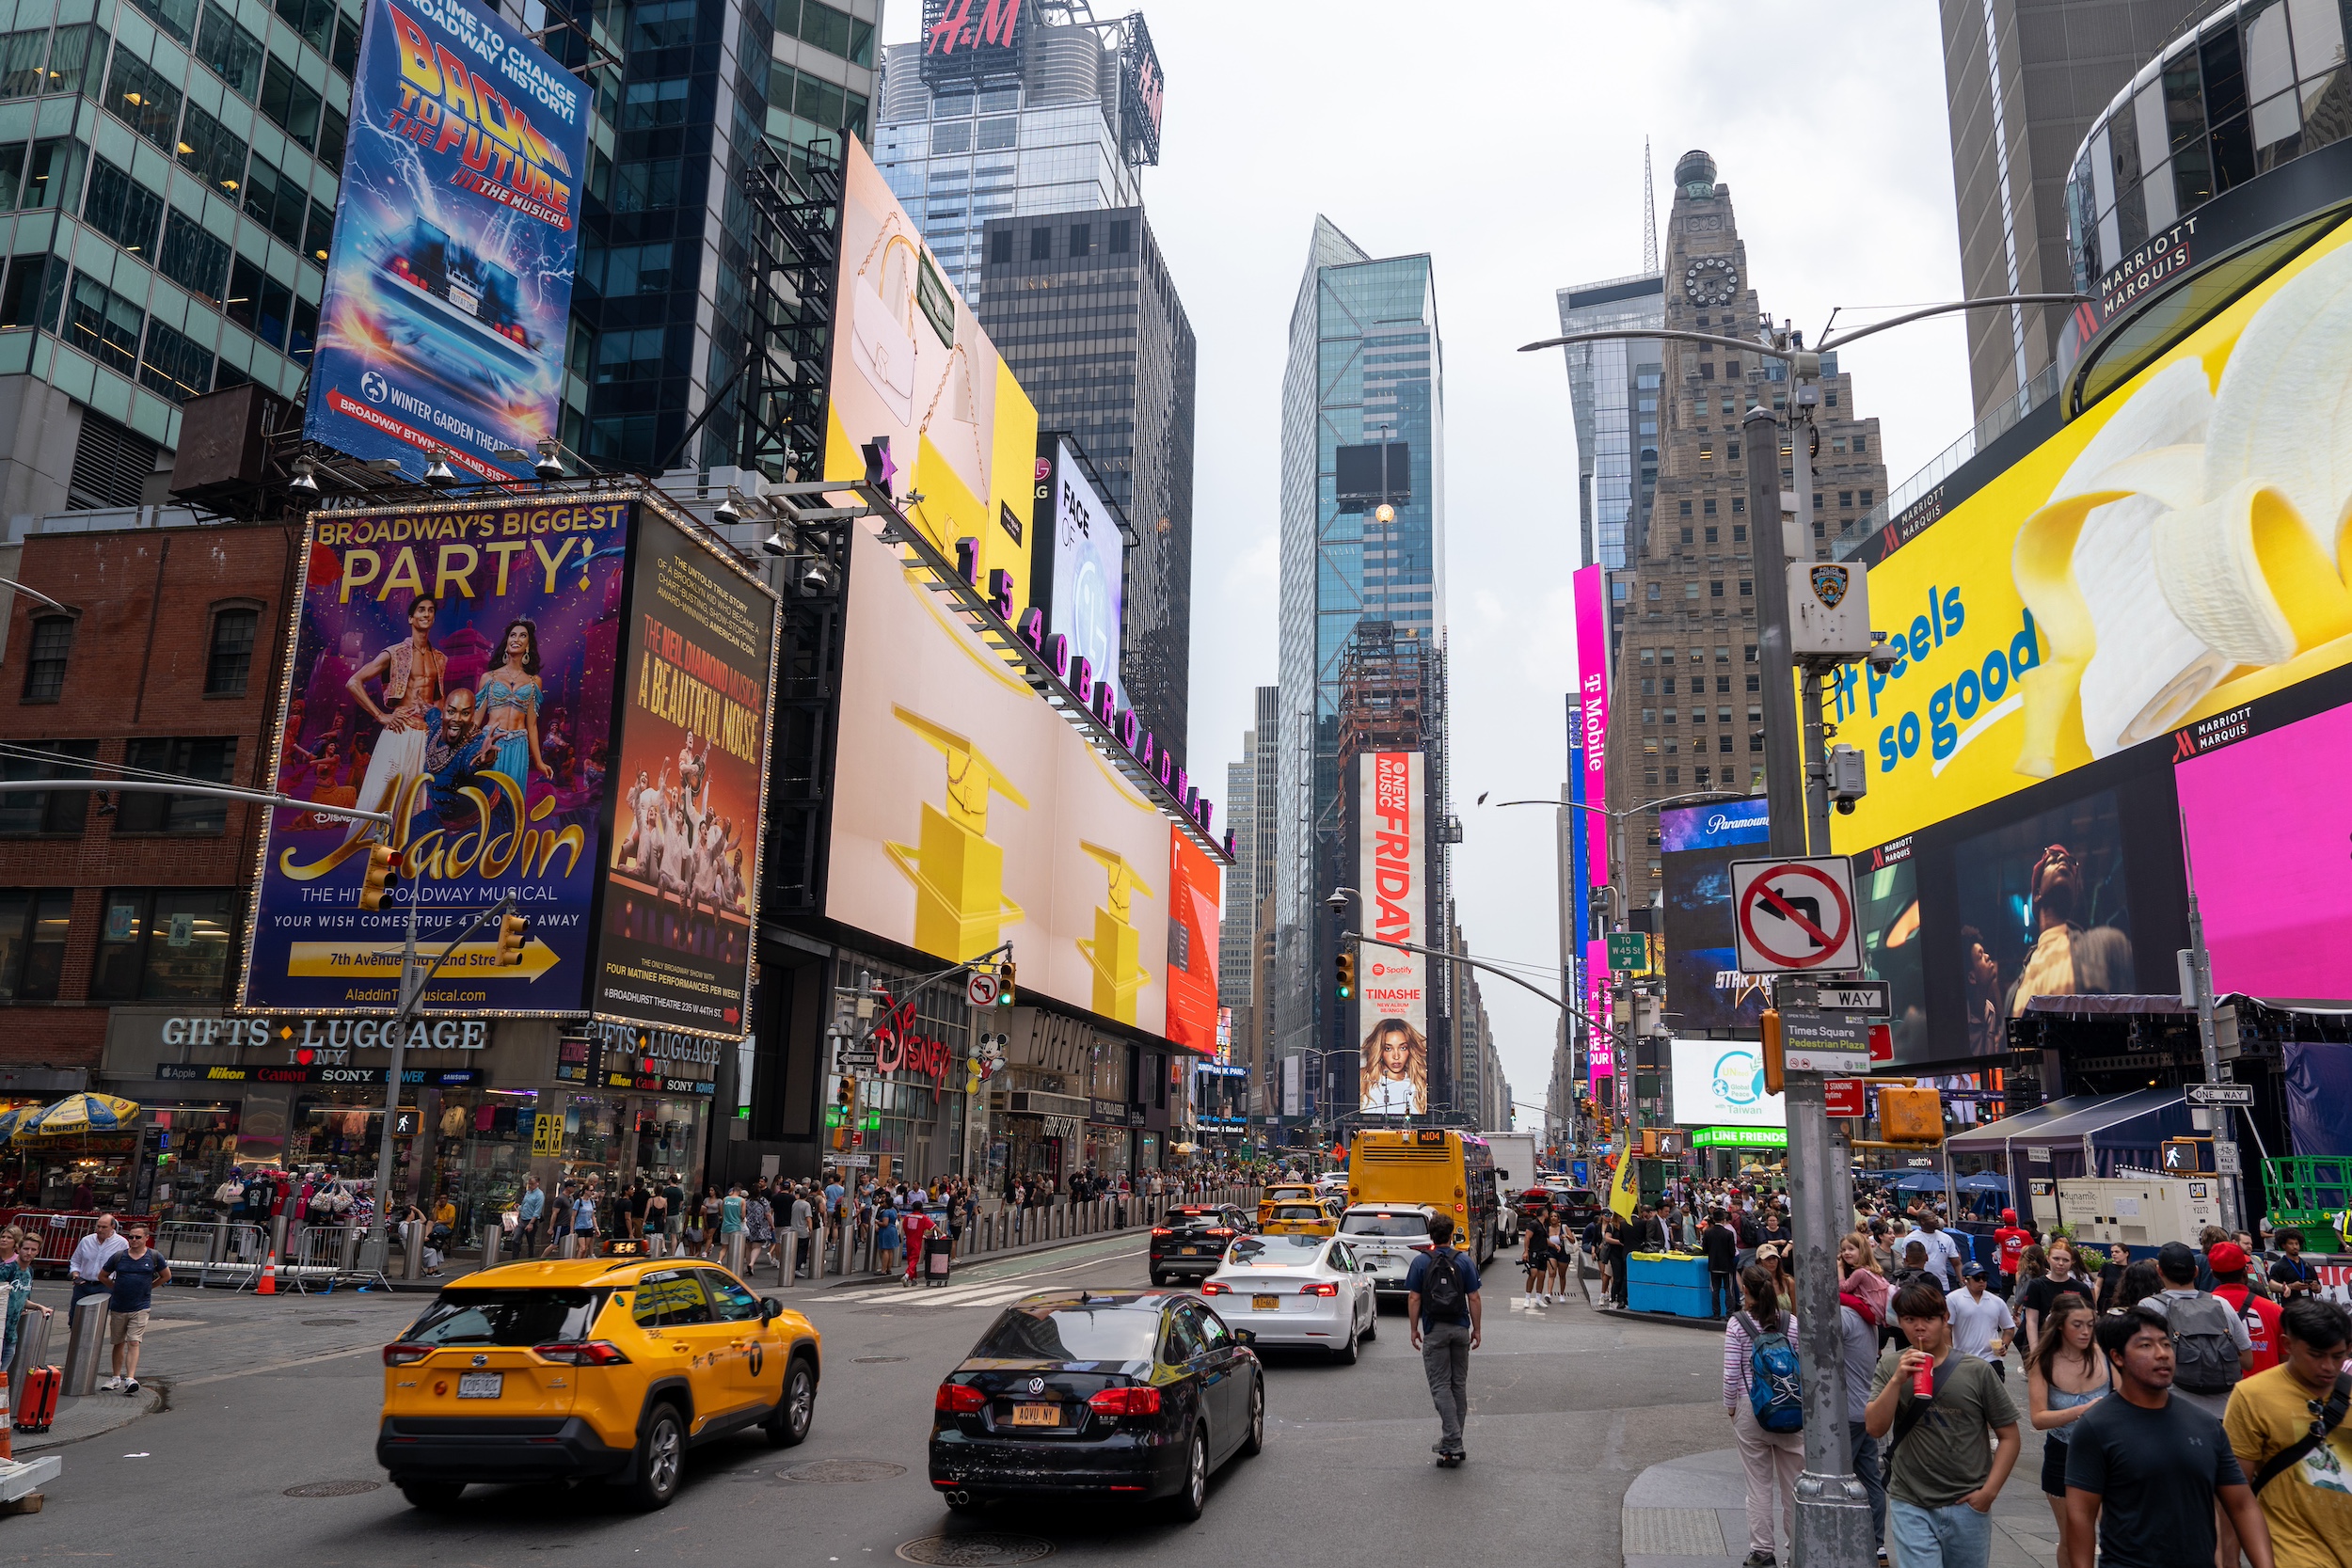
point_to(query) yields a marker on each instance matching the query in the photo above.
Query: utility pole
(2197, 967)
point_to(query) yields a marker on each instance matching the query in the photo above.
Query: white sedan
(1297, 1290)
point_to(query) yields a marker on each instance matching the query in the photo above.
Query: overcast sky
(1505, 140)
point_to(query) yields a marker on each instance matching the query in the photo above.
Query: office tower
(2055, 64)
(1362, 539)
(1237, 931)
(1687, 709)
(1613, 392)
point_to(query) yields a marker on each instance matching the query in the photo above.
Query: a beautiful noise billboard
(449, 284)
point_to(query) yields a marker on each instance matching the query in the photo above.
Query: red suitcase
(37, 1410)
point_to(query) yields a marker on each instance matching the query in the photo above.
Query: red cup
(1923, 1380)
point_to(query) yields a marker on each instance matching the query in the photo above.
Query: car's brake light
(1126, 1401)
(1220, 1231)
(1211, 1288)
(581, 1353)
(960, 1399)
(1319, 1288)
(402, 1355)
(1162, 1230)
(1423, 1246)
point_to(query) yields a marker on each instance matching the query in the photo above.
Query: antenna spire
(1650, 212)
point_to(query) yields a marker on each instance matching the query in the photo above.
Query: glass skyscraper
(1612, 389)
(1363, 428)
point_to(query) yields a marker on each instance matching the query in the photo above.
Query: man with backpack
(2286, 1427)
(2211, 1348)
(1950, 1448)
(2259, 1313)
(1441, 1304)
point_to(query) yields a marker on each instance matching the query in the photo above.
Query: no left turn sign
(1795, 914)
(980, 988)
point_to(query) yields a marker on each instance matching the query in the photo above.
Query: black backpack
(1441, 1285)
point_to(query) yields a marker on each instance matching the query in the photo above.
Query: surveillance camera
(1337, 903)
(1845, 808)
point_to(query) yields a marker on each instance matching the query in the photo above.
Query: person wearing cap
(2259, 1313)
(1982, 1325)
(2010, 1241)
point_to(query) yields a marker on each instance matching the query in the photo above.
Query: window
(1708, 507)
(124, 209)
(1739, 504)
(1686, 536)
(1650, 656)
(32, 942)
(24, 812)
(629, 355)
(346, 57)
(1821, 529)
(734, 1304)
(274, 200)
(207, 760)
(1738, 530)
(997, 134)
(1706, 369)
(313, 18)
(1710, 528)
(1750, 653)
(1040, 244)
(20, 55)
(103, 325)
(174, 365)
(234, 54)
(244, 303)
(1845, 500)
(647, 106)
(193, 258)
(951, 136)
(1122, 236)
(1820, 497)
(209, 151)
(304, 336)
(318, 235)
(1715, 587)
(1756, 741)
(1081, 238)
(1861, 442)
(161, 944)
(22, 296)
(176, 17)
(1756, 683)
(138, 94)
(334, 131)
(54, 178)
(1830, 398)
(1864, 497)
(1747, 588)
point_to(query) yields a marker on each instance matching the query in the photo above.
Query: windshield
(1299, 1211)
(1267, 1252)
(1070, 1334)
(1193, 1219)
(1580, 1197)
(1383, 1222)
(507, 1317)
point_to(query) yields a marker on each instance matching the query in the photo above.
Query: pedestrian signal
(383, 871)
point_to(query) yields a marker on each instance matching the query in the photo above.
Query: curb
(157, 1398)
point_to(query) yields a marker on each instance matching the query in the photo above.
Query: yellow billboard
(2173, 553)
(910, 364)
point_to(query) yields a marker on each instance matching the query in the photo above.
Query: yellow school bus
(1453, 1173)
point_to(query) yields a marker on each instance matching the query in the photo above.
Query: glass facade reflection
(2253, 87)
(1616, 472)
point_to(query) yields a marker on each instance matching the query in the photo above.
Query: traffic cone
(268, 1286)
(8, 1424)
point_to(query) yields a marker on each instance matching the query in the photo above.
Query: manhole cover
(829, 1471)
(329, 1323)
(976, 1551)
(870, 1360)
(333, 1488)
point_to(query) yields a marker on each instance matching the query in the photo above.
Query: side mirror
(770, 1307)
(1242, 1336)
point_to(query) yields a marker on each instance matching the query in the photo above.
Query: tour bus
(1451, 1172)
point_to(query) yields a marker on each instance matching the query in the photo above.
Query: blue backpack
(1775, 1380)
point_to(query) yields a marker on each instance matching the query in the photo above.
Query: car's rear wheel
(1159, 1281)
(1372, 1320)
(660, 1459)
(1186, 1504)
(1345, 1354)
(789, 1427)
(431, 1496)
(1254, 1442)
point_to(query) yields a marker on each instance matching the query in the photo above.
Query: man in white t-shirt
(1982, 1324)
(1942, 1252)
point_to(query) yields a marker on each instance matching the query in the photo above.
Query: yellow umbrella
(86, 1111)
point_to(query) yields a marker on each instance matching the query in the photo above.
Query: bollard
(86, 1346)
(412, 1249)
(735, 1253)
(492, 1235)
(788, 1258)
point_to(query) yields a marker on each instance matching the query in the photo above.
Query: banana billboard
(2168, 557)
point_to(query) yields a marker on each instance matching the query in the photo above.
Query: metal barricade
(214, 1252)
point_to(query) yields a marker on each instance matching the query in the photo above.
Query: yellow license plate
(1265, 1303)
(1037, 1415)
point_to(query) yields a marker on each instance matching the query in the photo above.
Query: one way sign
(1795, 915)
(2220, 1094)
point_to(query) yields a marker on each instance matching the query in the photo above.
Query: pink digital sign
(1592, 684)
(2266, 821)
(1599, 1045)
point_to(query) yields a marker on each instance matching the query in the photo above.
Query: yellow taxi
(1282, 1193)
(1299, 1218)
(601, 1368)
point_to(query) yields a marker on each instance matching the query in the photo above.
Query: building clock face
(1710, 280)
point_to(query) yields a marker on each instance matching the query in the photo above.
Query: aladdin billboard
(448, 283)
(1392, 985)
(460, 666)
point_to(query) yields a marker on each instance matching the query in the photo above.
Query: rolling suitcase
(40, 1407)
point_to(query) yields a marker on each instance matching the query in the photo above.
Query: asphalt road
(268, 1397)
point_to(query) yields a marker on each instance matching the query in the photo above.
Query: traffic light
(512, 929)
(1344, 974)
(383, 871)
(1005, 975)
(1775, 1072)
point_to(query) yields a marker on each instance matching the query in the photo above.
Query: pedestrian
(2010, 1242)
(529, 1210)
(2291, 1273)
(1982, 1324)
(2146, 1471)
(916, 1226)
(2234, 1287)
(1721, 1246)
(657, 1222)
(1858, 1276)
(1941, 1475)
(759, 1225)
(584, 1221)
(1535, 1249)
(2063, 1276)
(886, 1240)
(2065, 1376)
(634, 1207)
(730, 1218)
(90, 1257)
(16, 1280)
(2286, 1427)
(131, 1277)
(1943, 1251)
(1441, 1304)
(1858, 1326)
(672, 1210)
(2211, 1346)
(1765, 1404)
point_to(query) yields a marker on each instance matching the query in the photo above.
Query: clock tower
(1686, 710)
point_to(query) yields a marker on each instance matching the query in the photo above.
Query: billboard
(967, 811)
(1391, 875)
(1591, 589)
(1194, 1018)
(1600, 1008)
(453, 665)
(1721, 1084)
(1704, 986)
(448, 283)
(1142, 93)
(690, 775)
(2168, 557)
(912, 368)
(1081, 579)
(972, 37)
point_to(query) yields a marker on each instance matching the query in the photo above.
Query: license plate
(1265, 1303)
(1037, 1415)
(1192, 1252)
(480, 1386)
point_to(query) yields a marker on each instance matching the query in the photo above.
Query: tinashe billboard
(1392, 838)
(449, 284)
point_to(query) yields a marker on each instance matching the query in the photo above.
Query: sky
(1504, 138)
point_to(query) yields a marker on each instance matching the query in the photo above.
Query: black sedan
(1191, 1239)
(1123, 1396)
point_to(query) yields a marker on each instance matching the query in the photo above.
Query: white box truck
(1516, 1170)
(2141, 1212)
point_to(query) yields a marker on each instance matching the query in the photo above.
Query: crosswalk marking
(985, 1293)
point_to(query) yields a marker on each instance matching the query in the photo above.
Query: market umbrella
(1920, 1181)
(8, 1120)
(77, 1113)
(1983, 1182)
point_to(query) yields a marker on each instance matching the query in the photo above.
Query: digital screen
(2045, 911)
(1721, 1084)
(1086, 583)
(1704, 987)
